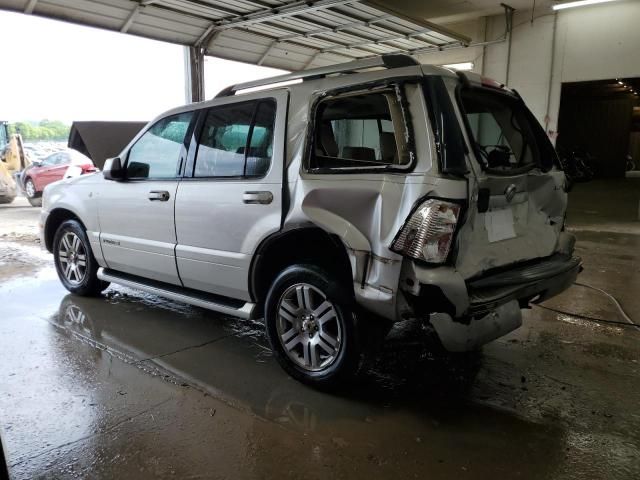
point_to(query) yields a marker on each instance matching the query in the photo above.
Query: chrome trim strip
(244, 312)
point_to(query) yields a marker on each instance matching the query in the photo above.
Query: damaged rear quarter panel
(365, 210)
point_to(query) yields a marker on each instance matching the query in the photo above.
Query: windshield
(503, 131)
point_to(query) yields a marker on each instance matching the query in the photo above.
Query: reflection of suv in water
(364, 194)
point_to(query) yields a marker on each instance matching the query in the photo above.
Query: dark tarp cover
(102, 140)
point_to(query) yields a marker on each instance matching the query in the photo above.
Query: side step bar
(217, 303)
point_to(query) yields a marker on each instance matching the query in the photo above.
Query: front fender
(77, 197)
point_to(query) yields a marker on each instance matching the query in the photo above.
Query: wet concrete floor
(133, 386)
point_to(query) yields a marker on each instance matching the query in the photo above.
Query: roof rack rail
(387, 61)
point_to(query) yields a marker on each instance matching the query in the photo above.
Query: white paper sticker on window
(499, 224)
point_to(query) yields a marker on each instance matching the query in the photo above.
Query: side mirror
(113, 169)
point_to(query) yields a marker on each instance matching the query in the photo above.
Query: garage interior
(134, 386)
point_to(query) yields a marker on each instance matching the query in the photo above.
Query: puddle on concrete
(117, 380)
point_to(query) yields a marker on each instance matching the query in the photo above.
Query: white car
(364, 194)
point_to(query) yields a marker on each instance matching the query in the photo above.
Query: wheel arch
(302, 244)
(56, 217)
(26, 179)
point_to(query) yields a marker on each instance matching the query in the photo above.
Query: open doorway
(599, 128)
(600, 120)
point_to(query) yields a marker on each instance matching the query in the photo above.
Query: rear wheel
(76, 266)
(312, 326)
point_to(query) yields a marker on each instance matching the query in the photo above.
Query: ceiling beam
(28, 9)
(131, 18)
(267, 52)
(209, 32)
(289, 10)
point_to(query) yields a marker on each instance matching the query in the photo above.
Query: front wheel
(312, 326)
(76, 266)
(35, 198)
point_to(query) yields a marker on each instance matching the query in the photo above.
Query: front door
(231, 199)
(137, 231)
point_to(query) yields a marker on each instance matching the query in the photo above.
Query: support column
(194, 74)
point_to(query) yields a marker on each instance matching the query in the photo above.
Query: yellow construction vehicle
(13, 159)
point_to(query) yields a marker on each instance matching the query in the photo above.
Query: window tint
(359, 131)
(261, 144)
(156, 154)
(236, 140)
(501, 130)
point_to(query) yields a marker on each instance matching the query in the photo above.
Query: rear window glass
(501, 129)
(358, 131)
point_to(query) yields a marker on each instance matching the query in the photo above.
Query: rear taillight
(428, 233)
(88, 168)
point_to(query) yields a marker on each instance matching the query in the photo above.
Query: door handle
(159, 195)
(263, 198)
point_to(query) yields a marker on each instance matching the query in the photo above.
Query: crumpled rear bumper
(543, 279)
(479, 310)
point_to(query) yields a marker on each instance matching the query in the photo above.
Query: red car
(51, 169)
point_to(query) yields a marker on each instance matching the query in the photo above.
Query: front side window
(157, 153)
(502, 132)
(237, 140)
(361, 130)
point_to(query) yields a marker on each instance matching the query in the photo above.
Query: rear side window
(360, 130)
(156, 154)
(237, 140)
(503, 131)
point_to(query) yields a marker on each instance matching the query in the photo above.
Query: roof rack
(386, 61)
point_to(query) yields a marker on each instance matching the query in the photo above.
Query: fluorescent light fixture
(579, 3)
(463, 66)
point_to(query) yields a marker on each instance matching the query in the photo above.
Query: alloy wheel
(72, 257)
(309, 327)
(30, 189)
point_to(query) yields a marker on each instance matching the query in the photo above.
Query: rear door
(518, 199)
(230, 197)
(137, 231)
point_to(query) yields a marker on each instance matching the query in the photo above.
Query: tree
(43, 130)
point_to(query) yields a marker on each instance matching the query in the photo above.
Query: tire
(323, 354)
(76, 266)
(35, 201)
(34, 197)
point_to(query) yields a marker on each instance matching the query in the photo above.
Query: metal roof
(286, 34)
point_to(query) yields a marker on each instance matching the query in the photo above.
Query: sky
(61, 71)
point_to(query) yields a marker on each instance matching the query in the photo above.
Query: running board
(217, 303)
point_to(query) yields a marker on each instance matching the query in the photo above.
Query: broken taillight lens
(428, 233)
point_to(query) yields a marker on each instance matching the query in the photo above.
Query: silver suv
(333, 202)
